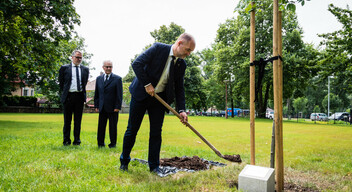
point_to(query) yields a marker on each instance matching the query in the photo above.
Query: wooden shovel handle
(188, 125)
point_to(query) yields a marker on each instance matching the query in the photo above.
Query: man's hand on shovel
(151, 91)
(184, 118)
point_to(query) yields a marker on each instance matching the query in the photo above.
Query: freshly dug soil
(192, 163)
(233, 158)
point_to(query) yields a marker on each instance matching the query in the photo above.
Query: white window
(25, 91)
(28, 91)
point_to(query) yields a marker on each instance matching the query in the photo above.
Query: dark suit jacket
(65, 76)
(149, 67)
(108, 95)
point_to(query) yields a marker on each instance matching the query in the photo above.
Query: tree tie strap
(262, 61)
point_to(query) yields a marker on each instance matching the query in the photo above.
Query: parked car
(339, 116)
(221, 114)
(270, 115)
(318, 117)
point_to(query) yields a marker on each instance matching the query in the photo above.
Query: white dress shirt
(108, 76)
(160, 87)
(74, 87)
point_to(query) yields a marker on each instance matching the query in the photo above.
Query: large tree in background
(336, 58)
(232, 55)
(214, 90)
(30, 34)
(194, 88)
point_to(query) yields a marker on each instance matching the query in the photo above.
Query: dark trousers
(103, 118)
(156, 113)
(73, 104)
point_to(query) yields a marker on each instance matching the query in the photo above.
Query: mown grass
(33, 158)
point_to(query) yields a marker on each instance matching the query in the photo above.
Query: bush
(29, 101)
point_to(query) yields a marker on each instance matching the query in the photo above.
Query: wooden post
(280, 78)
(252, 86)
(277, 114)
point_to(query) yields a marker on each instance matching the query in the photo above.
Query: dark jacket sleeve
(96, 94)
(119, 92)
(179, 85)
(139, 65)
(61, 78)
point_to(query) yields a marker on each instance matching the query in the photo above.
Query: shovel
(233, 158)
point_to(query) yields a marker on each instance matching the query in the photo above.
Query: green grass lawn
(33, 158)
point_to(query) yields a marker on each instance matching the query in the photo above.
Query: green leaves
(291, 7)
(30, 34)
(168, 34)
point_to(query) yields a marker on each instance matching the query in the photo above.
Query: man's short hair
(185, 36)
(75, 51)
(107, 61)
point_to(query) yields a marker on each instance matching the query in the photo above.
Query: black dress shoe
(76, 142)
(67, 143)
(156, 171)
(112, 146)
(101, 146)
(124, 167)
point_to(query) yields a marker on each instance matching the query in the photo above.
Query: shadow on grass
(20, 125)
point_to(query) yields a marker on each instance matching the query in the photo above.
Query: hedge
(29, 101)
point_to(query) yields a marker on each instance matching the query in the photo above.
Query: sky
(117, 30)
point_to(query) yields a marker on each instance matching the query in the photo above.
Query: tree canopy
(30, 34)
(232, 55)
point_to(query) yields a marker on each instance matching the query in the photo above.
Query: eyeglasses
(78, 57)
(108, 67)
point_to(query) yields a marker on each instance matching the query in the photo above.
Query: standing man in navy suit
(160, 69)
(107, 101)
(73, 79)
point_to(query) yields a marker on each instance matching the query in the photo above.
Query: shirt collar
(172, 53)
(73, 65)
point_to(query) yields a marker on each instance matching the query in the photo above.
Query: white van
(318, 117)
(270, 115)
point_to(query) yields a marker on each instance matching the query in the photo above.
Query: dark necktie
(171, 82)
(106, 78)
(77, 78)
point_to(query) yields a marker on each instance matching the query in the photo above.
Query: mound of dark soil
(233, 158)
(192, 163)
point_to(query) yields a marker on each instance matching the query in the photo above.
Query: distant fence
(25, 109)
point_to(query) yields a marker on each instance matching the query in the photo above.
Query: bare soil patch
(192, 163)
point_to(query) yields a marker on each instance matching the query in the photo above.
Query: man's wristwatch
(180, 111)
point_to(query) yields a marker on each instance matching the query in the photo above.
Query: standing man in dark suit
(161, 66)
(107, 101)
(73, 79)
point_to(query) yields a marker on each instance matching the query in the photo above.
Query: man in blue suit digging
(107, 101)
(160, 69)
